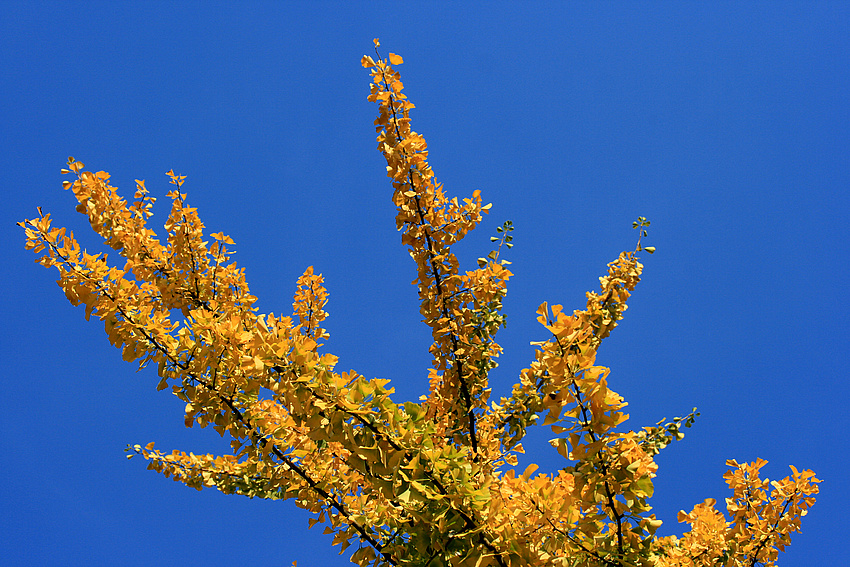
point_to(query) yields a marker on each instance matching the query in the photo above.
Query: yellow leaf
(396, 59)
(529, 471)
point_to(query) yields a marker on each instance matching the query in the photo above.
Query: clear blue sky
(726, 124)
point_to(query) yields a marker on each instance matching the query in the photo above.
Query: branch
(447, 314)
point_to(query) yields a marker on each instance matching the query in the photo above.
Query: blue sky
(726, 124)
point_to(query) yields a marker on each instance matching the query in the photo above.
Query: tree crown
(426, 483)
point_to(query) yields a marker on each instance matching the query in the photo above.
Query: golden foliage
(430, 483)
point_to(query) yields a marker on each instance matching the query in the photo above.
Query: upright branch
(431, 223)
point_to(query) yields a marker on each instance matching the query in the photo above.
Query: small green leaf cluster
(642, 223)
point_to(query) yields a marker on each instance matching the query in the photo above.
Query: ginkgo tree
(423, 483)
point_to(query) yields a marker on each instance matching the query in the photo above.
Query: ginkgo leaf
(529, 470)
